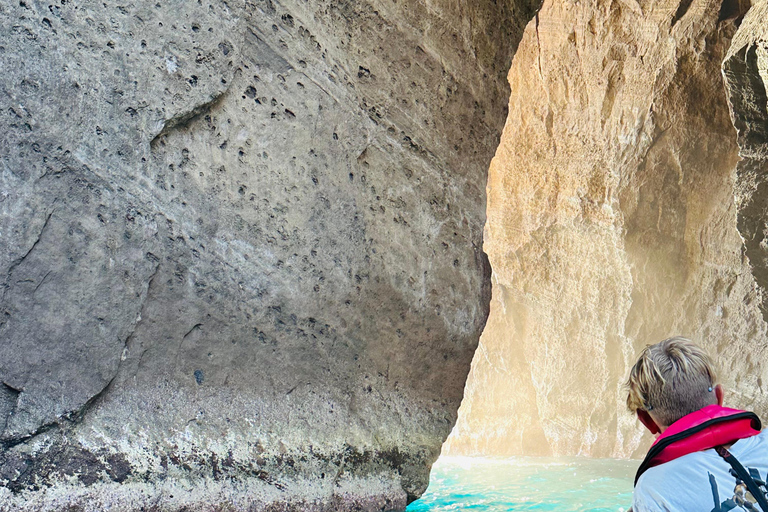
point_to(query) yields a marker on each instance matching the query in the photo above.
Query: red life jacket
(701, 430)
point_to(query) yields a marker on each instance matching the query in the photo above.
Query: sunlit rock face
(241, 247)
(612, 223)
(746, 77)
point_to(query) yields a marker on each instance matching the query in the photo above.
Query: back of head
(671, 379)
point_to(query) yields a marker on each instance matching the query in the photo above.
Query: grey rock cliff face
(241, 262)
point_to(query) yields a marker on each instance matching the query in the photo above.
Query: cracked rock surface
(241, 264)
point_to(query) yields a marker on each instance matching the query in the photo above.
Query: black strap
(745, 477)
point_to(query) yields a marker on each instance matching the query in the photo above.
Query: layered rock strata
(612, 221)
(241, 264)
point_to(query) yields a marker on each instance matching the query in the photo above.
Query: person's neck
(719, 402)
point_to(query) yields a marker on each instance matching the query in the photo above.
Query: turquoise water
(526, 483)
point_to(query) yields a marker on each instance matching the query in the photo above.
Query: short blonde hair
(671, 378)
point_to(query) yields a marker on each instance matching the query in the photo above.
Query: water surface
(527, 483)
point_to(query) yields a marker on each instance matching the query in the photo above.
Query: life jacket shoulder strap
(744, 476)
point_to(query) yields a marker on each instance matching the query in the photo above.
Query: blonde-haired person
(706, 457)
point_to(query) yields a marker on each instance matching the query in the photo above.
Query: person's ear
(646, 420)
(719, 394)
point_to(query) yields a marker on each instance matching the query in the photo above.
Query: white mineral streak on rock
(611, 225)
(170, 65)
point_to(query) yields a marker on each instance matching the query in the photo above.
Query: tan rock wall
(746, 74)
(611, 224)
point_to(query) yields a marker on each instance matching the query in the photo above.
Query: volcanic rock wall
(613, 222)
(241, 247)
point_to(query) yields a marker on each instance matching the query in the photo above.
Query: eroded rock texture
(746, 77)
(612, 222)
(241, 262)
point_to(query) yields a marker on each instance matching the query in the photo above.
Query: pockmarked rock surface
(616, 217)
(241, 247)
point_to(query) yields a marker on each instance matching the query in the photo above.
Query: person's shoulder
(653, 476)
(762, 437)
(746, 445)
(654, 480)
(674, 485)
(647, 497)
(677, 470)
